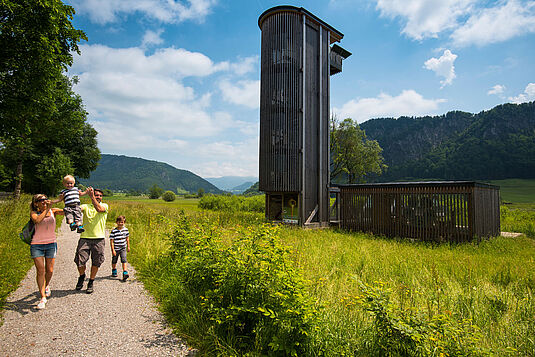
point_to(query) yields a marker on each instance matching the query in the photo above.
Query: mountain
(118, 172)
(240, 188)
(229, 183)
(494, 144)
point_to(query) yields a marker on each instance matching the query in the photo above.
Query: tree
(155, 191)
(200, 192)
(37, 40)
(353, 156)
(168, 196)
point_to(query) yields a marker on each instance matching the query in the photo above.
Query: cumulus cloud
(527, 96)
(244, 92)
(152, 38)
(108, 11)
(496, 24)
(425, 18)
(469, 22)
(408, 103)
(498, 89)
(443, 67)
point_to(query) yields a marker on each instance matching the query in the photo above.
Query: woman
(44, 247)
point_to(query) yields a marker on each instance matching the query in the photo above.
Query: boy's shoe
(72, 226)
(47, 291)
(114, 272)
(80, 283)
(42, 303)
(80, 229)
(89, 286)
(125, 275)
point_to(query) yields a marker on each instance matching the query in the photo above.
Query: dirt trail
(118, 319)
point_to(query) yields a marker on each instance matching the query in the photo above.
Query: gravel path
(118, 319)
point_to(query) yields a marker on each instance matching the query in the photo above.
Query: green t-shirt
(94, 221)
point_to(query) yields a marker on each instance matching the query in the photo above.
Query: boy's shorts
(73, 213)
(121, 253)
(87, 247)
(44, 250)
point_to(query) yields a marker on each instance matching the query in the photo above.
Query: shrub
(168, 196)
(155, 191)
(249, 290)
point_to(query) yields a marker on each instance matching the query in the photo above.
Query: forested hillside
(494, 144)
(116, 172)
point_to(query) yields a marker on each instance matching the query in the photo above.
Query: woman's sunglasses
(41, 199)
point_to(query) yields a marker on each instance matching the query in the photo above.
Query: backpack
(27, 232)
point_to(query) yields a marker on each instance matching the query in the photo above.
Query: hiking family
(87, 219)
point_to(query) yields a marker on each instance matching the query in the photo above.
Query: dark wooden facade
(294, 115)
(455, 211)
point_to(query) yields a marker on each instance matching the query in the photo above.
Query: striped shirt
(119, 238)
(71, 196)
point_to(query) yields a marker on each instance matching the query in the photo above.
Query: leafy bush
(406, 332)
(168, 196)
(250, 293)
(231, 203)
(155, 191)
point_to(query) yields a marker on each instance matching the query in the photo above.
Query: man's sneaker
(114, 272)
(80, 283)
(80, 229)
(72, 226)
(125, 275)
(42, 303)
(47, 291)
(90, 286)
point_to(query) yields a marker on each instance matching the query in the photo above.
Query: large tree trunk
(18, 175)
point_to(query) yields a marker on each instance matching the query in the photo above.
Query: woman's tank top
(45, 232)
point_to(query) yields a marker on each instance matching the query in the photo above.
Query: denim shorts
(44, 250)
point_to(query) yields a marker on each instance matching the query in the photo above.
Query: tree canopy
(353, 156)
(43, 129)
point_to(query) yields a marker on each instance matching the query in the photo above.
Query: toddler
(71, 196)
(120, 244)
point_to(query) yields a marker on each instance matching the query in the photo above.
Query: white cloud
(166, 11)
(498, 89)
(425, 18)
(152, 38)
(443, 66)
(469, 22)
(527, 96)
(496, 24)
(245, 92)
(408, 103)
(245, 65)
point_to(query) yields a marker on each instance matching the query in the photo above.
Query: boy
(71, 196)
(120, 244)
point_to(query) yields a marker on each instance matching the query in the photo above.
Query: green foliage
(353, 156)
(200, 192)
(249, 290)
(232, 203)
(405, 332)
(37, 40)
(168, 196)
(120, 173)
(518, 220)
(15, 257)
(253, 190)
(155, 191)
(107, 193)
(51, 169)
(491, 145)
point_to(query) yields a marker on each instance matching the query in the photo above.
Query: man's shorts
(73, 213)
(44, 250)
(87, 247)
(119, 253)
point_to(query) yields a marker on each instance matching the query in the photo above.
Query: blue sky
(177, 81)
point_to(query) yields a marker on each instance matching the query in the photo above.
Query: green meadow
(230, 284)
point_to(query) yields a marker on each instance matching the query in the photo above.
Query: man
(92, 242)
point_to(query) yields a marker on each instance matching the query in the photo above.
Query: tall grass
(472, 299)
(15, 257)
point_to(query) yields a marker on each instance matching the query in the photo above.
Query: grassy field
(516, 190)
(370, 294)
